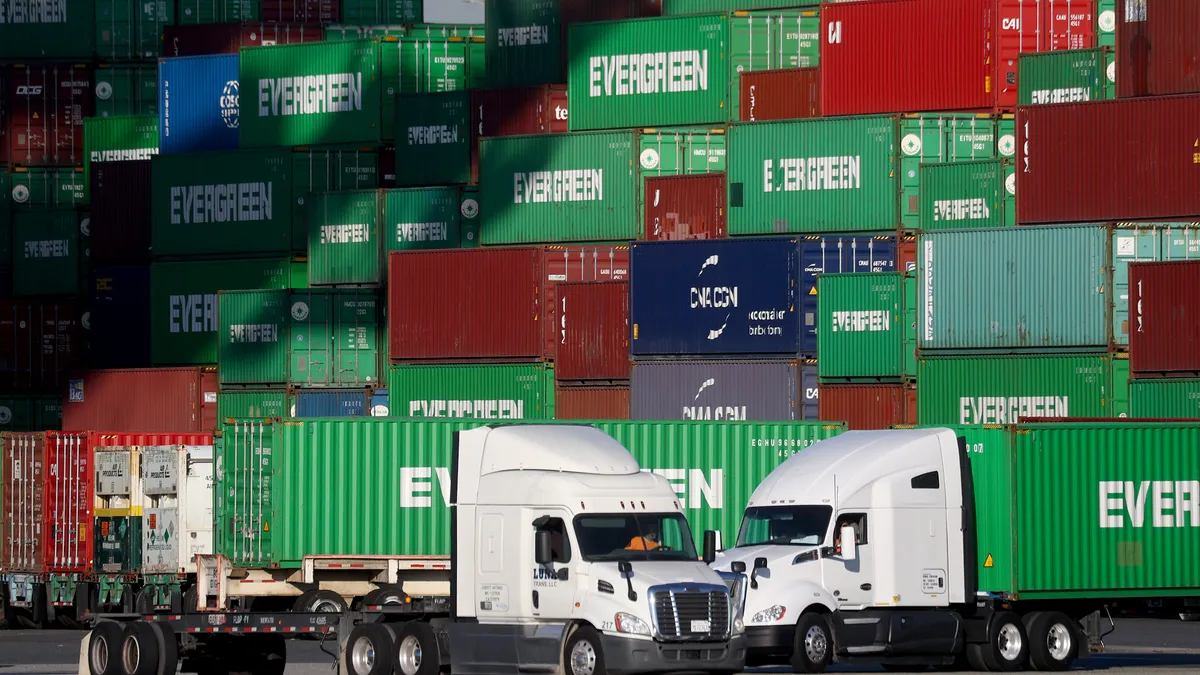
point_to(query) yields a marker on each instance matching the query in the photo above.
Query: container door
(357, 339)
(310, 338)
(24, 461)
(197, 506)
(243, 473)
(69, 490)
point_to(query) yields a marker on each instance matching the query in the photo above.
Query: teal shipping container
(1132, 242)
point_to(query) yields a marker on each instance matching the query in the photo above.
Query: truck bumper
(769, 645)
(623, 656)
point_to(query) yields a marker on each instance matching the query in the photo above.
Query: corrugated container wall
(591, 403)
(198, 104)
(124, 138)
(45, 110)
(345, 238)
(336, 403)
(218, 11)
(867, 327)
(317, 12)
(1132, 242)
(1056, 280)
(29, 413)
(868, 406)
(118, 317)
(1108, 181)
(126, 90)
(1178, 398)
(39, 344)
(718, 390)
(38, 189)
(593, 320)
(256, 403)
(228, 38)
(38, 30)
(1067, 77)
(1164, 338)
(685, 207)
(1158, 47)
(23, 500)
(67, 533)
(120, 213)
(144, 399)
(837, 254)
(367, 13)
(434, 140)
(968, 194)
(53, 252)
(770, 40)
(131, 29)
(791, 93)
(486, 391)
(429, 218)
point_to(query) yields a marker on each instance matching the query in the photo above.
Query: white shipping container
(177, 522)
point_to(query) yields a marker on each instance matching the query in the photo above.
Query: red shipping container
(1132, 159)
(1158, 47)
(593, 341)
(867, 406)
(685, 207)
(45, 110)
(143, 399)
(896, 56)
(68, 501)
(591, 403)
(1164, 317)
(488, 303)
(301, 11)
(24, 457)
(120, 213)
(791, 93)
(516, 112)
(227, 38)
(39, 345)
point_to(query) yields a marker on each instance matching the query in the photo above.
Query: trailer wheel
(813, 650)
(369, 650)
(385, 595)
(583, 654)
(320, 601)
(168, 648)
(191, 599)
(1007, 648)
(1053, 640)
(415, 650)
(104, 649)
(139, 649)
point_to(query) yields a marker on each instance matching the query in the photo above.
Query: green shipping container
(118, 543)
(131, 29)
(345, 238)
(1067, 76)
(39, 189)
(30, 413)
(317, 92)
(483, 391)
(127, 90)
(999, 389)
(183, 303)
(315, 338)
(678, 151)
(866, 329)
(222, 203)
(1106, 23)
(326, 169)
(968, 194)
(256, 403)
(526, 43)
(472, 220)
(433, 139)
(118, 139)
(6, 238)
(48, 256)
(614, 82)
(1132, 242)
(63, 30)
(336, 471)
(1164, 398)
(425, 64)
(192, 12)
(788, 38)
(342, 32)
(370, 12)
(558, 188)
(420, 219)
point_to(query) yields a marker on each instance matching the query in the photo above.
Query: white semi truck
(567, 558)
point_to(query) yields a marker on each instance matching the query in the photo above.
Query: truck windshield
(784, 525)
(644, 536)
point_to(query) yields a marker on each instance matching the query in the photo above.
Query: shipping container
(553, 188)
(42, 30)
(332, 403)
(117, 527)
(38, 189)
(126, 90)
(890, 56)
(328, 169)
(483, 391)
(685, 207)
(124, 138)
(428, 61)
(520, 111)
(868, 406)
(342, 32)
(217, 11)
(778, 41)
(999, 389)
(968, 194)
(684, 7)
(50, 255)
(593, 320)
(142, 400)
(314, 338)
(29, 412)
(428, 218)
(69, 485)
(746, 390)
(24, 503)
(316, 12)
(198, 103)
(46, 106)
(118, 546)
(868, 327)
(257, 403)
(131, 29)
(1055, 281)
(203, 204)
(183, 303)
(345, 238)
(1108, 181)
(1068, 76)
(120, 212)
(368, 13)
(434, 142)
(1159, 398)
(678, 151)
(117, 322)
(1132, 242)
(791, 93)
(1158, 47)
(1164, 340)
(178, 517)
(228, 38)
(347, 110)
(713, 466)
(39, 344)
(575, 402)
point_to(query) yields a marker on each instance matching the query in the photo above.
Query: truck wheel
(139, 649)
(316, 602)
(104, 649)
(1007, 648)
(416, 650)
(384, 595)
(191, 597)
(813, 651)
(1053, 640)
(583, 655)
(168, 648)
(369, 650)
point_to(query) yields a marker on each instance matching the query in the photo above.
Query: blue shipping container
(117, 322)
(197, 103)
(836, 254)
(379, 403)
(331, 403)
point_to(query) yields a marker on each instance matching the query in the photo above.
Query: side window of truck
(856, 520)
(560, 544)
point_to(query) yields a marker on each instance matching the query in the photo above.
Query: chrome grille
(681, 614)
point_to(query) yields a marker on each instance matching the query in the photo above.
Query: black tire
(104, 649)
(143, 602)
(384, 595)
(369, 650)
(812, 651)
(168, 648)
(415, 650)
(583, 646)
(139, 649)
(320, 601)
(1053, 640)
(190, 597)
(974, 653)
(1007, 648)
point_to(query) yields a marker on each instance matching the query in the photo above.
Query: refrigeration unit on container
(228, 38)
(45, 108)
(255, 403)
(117, 322)
(49, 252)
(217, 11)
(1157, 46)
(1068, 76)
(29, 412)
(1164, 335)
(126, 90)
(304, 94)
(366, 13)
(312, 338)
(868, 406)
(1056, 289)
(117, 524)
(1065, 175)
(960, 195)
(142, 400)
(198, 107)
(124, 138)
(684, 207)
(590, 402)
(332, 403)
(1163, 398)
(791, 93)
(131, 29)
(47, 188)
(1150, 242)
(65, 29)
(867, 327)
(177, 520)
(743, 390)
(480, 391)
(890, 56)
(120, 213)
(593, 331)
(315, 12)
(39, 344)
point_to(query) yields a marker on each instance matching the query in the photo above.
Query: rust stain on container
(685, 207)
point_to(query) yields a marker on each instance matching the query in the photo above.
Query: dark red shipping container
(227, 38)
(314, 12)
(1164, 318)
(1131, 159)
(120, 213)
(516, 112)
(593, 340)
(24, 457)
(69, 493)
(39, 344)
(791, 93)
(46, 105)
(867, 406)
(685, 207)
(896, 56)
(173, 400)
(591, 403)
(1158, 45)
(4, 149)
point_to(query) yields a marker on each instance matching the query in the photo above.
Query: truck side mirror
(849, 544)
(737, 566)
(760, 563)
(543, 553)
(710, 546)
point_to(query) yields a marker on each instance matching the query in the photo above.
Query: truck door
(554, 584)
(850, 580)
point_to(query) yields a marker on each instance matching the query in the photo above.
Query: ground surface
(1138, 646)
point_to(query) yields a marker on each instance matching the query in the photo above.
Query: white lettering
(496, 409)
(309, 94)
(355, 233)
(695, 487)
(254, 332)
(47, 248)
(196, 313)
(719, 296)
(523, 36)
(543, 187)
(412, 232)
(432, 135)
(649, 73)
(1061, 95)
(1173, 503)
(1007, 410)
(876, 320)
(960, 209)
(33, 11)
(221, 203)
(813, 173)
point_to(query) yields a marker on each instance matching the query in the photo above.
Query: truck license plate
(701, 626)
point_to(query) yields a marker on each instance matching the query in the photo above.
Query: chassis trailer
(543, 574)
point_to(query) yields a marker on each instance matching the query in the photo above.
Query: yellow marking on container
(989, 562)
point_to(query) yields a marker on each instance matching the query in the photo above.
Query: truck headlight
(628, 623)
(769, 615)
